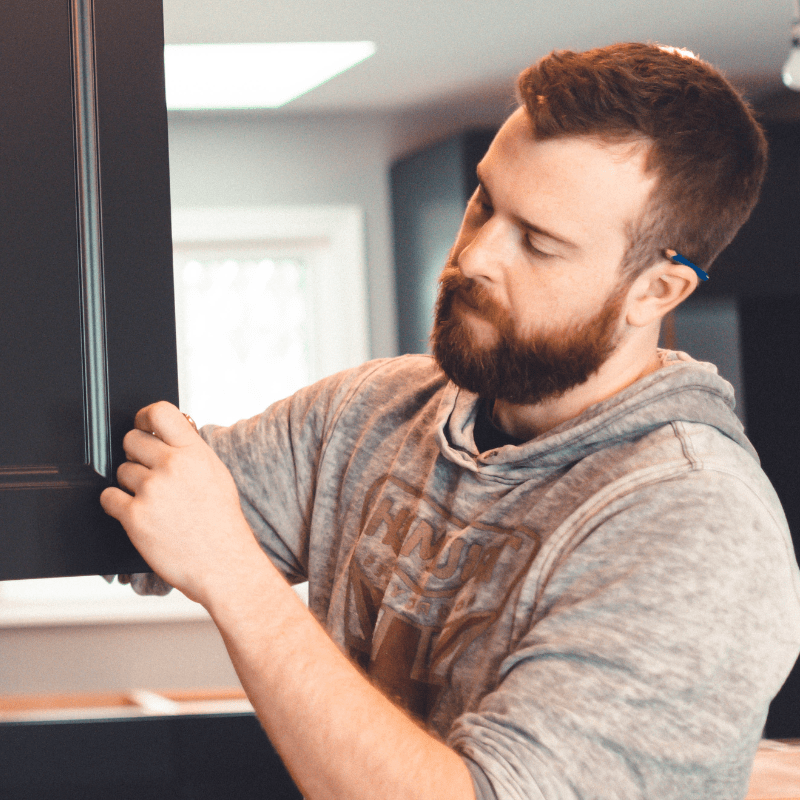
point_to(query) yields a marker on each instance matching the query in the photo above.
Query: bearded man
(546, 562)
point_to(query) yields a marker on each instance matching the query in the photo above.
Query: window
(245, 325)
(274, 298)
(268, 299)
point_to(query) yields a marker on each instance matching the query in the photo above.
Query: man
(551, 567)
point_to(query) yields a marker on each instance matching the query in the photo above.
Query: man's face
(531, 302)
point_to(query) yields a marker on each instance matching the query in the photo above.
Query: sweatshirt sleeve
(274, 459)
(661, 630)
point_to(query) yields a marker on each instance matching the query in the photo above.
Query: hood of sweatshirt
(681, 390)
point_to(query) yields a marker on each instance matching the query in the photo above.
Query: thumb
(116, 503)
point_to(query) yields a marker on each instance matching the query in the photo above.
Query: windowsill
(111, 605)
(134, 609)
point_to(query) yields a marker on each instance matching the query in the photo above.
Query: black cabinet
(771, 357)
(157, 758)
(87, 332)
(760, 268)
(430, 190)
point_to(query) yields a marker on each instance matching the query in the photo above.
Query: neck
(630, 362)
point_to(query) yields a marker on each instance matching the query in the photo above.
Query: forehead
(577, 186)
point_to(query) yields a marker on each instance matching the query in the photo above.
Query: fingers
(167, 423)
(144, 448)
(131, 476)
(115, 502)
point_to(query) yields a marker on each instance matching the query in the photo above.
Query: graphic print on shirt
(424, 584)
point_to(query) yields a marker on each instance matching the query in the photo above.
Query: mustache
(452, 284)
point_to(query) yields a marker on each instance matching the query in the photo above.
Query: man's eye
(530, 246)
(483, 206)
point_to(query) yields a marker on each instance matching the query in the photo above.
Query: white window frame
(331, 240)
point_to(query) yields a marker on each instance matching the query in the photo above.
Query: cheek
(531, 303)
(543, 308)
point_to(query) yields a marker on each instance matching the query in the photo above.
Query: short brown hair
(705, 145)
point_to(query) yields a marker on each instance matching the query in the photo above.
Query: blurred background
(354, 192)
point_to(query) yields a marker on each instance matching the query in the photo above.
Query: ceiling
(433, 51)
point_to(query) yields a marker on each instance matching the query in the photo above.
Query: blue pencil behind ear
(673, 256)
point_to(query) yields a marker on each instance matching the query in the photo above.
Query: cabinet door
(87, 329)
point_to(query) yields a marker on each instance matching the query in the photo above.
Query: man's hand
(338, 735)
(180, 506)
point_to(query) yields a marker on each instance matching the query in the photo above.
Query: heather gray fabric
(602, 612)
(143, 583)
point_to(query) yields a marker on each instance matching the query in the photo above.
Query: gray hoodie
(605, 611)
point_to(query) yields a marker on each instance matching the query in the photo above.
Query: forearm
(338, 735)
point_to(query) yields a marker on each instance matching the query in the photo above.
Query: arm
(338, 735)
(657, 640)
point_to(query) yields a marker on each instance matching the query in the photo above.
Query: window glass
(245, 334)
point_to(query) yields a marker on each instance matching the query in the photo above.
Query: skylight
(216, 76)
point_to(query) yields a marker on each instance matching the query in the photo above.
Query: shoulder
(683, 499)
(701, 520)
(391, 388)
(407, 370)
(409, 380)
(685, 478)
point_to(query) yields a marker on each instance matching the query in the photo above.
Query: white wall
(96, 658)
(257, 159)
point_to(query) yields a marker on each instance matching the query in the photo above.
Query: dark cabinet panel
(430, 190)
(158, 758)
(87, 332)
(770, 336)
(762, 260)
(40, 272)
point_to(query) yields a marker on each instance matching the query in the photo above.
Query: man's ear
(657, 291)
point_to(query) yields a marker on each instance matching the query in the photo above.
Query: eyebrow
(527, 224)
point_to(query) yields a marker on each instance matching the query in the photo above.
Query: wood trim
(117, 705)
(52, 702)
(45, 476)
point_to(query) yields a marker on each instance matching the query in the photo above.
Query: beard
(518, 369)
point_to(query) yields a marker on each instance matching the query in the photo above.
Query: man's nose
(483, 256)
